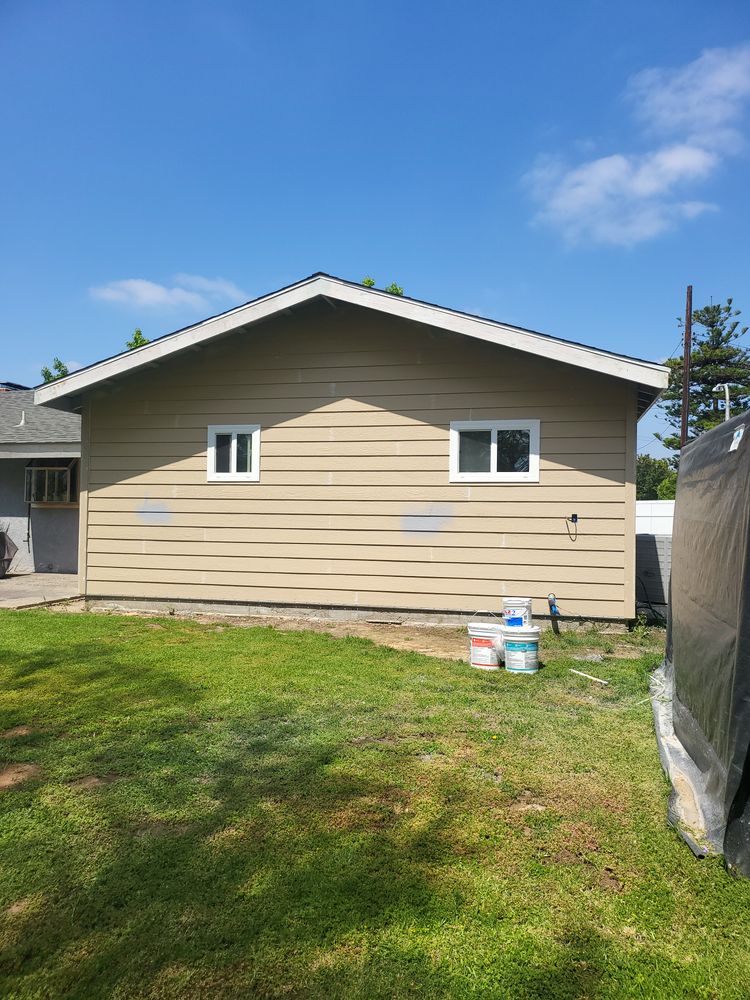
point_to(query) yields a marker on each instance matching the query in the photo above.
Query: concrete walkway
(28, 589)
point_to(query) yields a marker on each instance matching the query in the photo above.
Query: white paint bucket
(522, 649)
(517, 612)
(484, 638)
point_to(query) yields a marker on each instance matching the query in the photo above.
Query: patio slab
(25, 590)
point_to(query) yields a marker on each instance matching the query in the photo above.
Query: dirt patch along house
(330, 445)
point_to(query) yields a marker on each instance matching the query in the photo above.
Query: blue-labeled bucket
(522, 649)
(517, 612)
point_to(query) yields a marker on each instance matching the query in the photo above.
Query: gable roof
(649, 376)
(27, 429)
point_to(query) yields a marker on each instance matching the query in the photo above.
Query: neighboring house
(333, 446)
(39, 463)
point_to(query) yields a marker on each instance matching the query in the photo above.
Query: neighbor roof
(22, 424)
(649, 376)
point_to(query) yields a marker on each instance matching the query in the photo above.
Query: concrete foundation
(395, 616)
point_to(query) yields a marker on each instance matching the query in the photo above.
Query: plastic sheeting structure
(701, 695)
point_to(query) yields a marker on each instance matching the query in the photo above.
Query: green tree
(392, 289)
(137, 340)
(717, 356)
(667, 488)
(650, 473)
(59, 370)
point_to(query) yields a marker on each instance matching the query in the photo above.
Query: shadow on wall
(54, 534)
(653, 563)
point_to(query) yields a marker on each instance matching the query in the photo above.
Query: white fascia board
(193, 336)
(641, 372)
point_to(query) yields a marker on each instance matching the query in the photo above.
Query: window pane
(474, 451)
(223, 451)
(513, 448)
(244, 452)
(73, 474)
(39, 483)
(57, 486)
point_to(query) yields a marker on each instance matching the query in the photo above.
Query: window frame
(253, 476)
(71, 494)
(530, 425)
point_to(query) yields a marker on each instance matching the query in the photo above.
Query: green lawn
(230, 812)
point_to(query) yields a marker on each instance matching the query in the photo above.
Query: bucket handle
(483, 613)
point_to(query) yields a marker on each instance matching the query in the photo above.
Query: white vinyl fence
(654, 517)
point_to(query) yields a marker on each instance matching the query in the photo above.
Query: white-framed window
(233, 453)
(494, 451)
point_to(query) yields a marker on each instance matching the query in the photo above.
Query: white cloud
(213, 288)
(626, 198)
(620, 199)
(704, 99)
(189, 290)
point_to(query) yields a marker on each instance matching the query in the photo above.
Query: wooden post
(687, 348)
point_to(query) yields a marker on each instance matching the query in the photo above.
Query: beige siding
(354, 411)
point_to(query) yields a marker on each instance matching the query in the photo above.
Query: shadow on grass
(233, 848)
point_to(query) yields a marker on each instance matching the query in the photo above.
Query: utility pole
(687, 347)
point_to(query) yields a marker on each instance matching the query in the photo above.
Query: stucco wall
(13, 512)
(54, 532)
(354, 505)
(53, 543)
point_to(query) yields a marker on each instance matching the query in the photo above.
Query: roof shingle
(41, 425)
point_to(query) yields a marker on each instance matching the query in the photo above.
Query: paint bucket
(517, 612)
(484, 639)
(522, 649)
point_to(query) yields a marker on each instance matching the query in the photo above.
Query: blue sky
(565, 167)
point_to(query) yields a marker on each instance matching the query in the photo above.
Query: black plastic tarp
(708, 645)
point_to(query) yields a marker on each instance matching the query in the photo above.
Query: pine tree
(717, 356)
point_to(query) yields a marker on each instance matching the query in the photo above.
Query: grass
(227, 812)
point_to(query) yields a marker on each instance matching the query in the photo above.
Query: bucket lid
(518, 632)
(516, 600)
(482, 628)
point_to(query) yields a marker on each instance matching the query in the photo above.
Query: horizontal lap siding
(354, 412)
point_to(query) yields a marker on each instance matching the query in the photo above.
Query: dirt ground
(445, 641)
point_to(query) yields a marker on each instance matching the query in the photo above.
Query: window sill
(52, 503)
(233, 479)
(480, 480)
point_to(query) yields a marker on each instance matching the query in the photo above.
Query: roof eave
(643, 373)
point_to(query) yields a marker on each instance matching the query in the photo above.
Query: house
(333, 446)
(39, 460)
